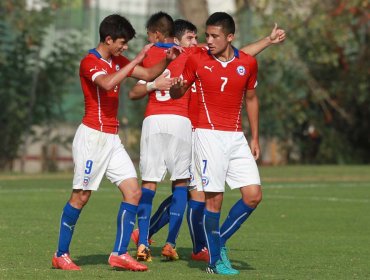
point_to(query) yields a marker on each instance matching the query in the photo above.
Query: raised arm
(149, 74)
(277, 36)
(107, 82)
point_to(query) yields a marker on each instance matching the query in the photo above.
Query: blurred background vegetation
(313, 89)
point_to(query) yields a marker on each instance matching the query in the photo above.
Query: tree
(33, 83)
(314, 89)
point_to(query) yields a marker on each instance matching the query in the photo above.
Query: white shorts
(165, 145)
(96, 153)
(223, 156)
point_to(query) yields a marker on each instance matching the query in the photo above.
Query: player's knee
(135, 194)
(80, 198)
(253, 199)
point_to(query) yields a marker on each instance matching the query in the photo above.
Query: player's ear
(230, 37)
(177, 42)
(108, 40)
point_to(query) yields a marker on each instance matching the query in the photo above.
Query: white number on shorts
(224, 83)
(89, 165)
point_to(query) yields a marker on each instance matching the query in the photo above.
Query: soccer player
(165, 142)
(97, 149)
(225, 77)
(186, 36)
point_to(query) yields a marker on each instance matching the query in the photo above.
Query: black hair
(161, 22)
(224, 20)
(181, 26)
(116, 26)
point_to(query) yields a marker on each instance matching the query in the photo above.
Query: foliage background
(314, 89)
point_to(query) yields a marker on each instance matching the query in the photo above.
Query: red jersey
(221, 87)
(101, 106)
(160, 102)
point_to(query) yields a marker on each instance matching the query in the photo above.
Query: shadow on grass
(185, 254)
(92, 259)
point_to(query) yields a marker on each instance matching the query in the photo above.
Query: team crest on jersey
(205, 181)
(240, 70)
(117, 67)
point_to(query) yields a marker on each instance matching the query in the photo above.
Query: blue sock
(237, 216)
(143, 215)
(177, 209)
(125, 224)
(67, 224)
(211, 228)
(194, 216)
(161, 217)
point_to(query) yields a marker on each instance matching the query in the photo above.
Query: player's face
(217, 40)
(152, 37)
(189, 39)
(118, 46)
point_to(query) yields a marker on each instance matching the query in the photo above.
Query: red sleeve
(90, 69)
(253, 69)
(190, 69)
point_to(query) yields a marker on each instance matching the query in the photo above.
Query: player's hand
(277, 35)
(178, 83)
(141, 55)
(163, 82)
(255, 149)
(174, 52)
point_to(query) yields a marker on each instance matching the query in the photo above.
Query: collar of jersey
(95, 52)
(236, 52)
(164, 45)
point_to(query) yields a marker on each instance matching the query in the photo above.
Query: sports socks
(194, 217)
(125, 224)
(211, 229)
(177, 209)
(67, 224)
(143, 214)
(161, 217)
(236, 217)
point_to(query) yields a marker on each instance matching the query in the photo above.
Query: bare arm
(252, 107)
(149, 74)
(107, 82)
(277, 36)
(141, 89)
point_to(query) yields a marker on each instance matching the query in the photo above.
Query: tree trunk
(195, 11)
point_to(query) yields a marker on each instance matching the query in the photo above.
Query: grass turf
(313, 223)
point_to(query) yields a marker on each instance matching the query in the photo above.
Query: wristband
(150, 86)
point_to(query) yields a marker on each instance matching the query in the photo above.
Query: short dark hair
(222, 19)
(161, 22)
(116, 26)
(181, 26)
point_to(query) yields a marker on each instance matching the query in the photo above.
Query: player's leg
(178, 160)
(177, 210)
(194, 216)
(161, 217)
(87, 177)
(153, 170)
(122, 173)
(211, 161)
(242, 174)
(144, 212)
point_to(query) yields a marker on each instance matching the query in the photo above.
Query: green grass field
(313, 223)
